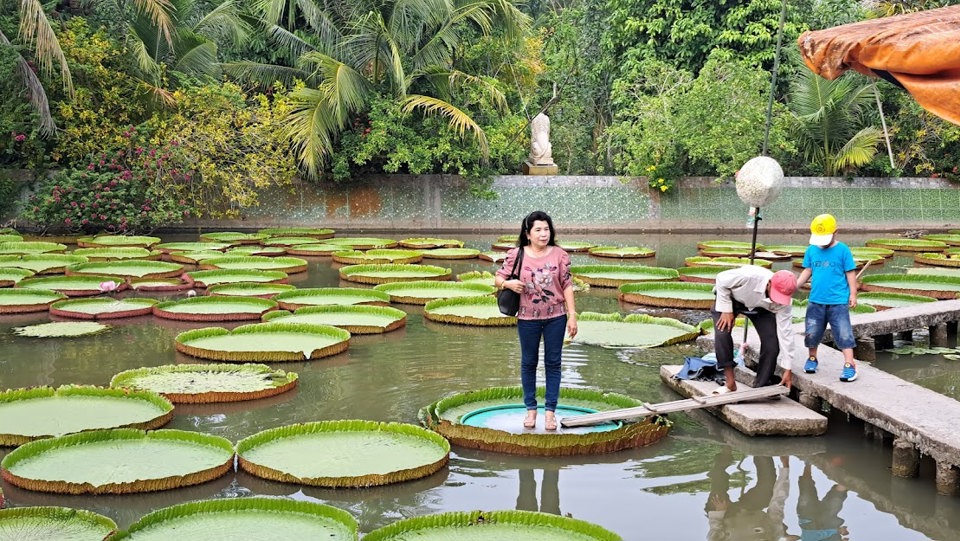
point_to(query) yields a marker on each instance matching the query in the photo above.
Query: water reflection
(756, 513)
(819, 518)
(549, 501)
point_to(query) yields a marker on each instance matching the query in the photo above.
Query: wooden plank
(674, 406)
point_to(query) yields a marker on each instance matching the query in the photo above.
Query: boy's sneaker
(810, 367)
(849, 372)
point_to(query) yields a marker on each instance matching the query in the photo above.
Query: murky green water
(655, 493)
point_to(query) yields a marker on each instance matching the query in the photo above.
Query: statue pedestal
(534, 169)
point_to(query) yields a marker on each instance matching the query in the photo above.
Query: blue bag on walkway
(701, 368)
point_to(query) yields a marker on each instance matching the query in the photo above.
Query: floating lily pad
(205, 278)
(725, 252)
(316, 250)
(47, 523)
(192, 258)
(113, 254)
(12, 275)
(168, 247)
(41, 263)
(626, 252)
(74, 286)
(214, 308)
(937, 259)
(632, 331)
(727, 262)
(908, 245)
(10, 237)
(289, 265)
(322, 296)
(940, 287)
(735, 244)
(363, 243)
(871, 252)
(252, 249)
(798, 310)
(428, 243)
(383, 274)
(421, 292)
(264, 342)
(343, 453)
(489, 525)
(504, 245)
(122, 460)
(117, 240)
(444, 416)
(233, 237)
(61, 329)
(477, 277)
(43, 412)
(126, 269)
(451, 253)
(882, 301)
(287, 242)
(312, 232)
(794, 250)
(102, 308)
(208, 383)
(935, 271)
(481, 311)
(951, 239)
(617, 275)
(265, 291)
(228, 519)
(704, 275)
(573, 246)
(377, 257)
(356, 318)
(496, 257)
(669, 294)
(18, 301)
(159, 284)
(30, 248)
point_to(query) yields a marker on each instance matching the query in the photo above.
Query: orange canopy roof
(920, 51)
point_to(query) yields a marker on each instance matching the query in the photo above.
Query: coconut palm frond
(35, 28)
(35, 92)
(509, 19)
(146, 62)
(858, 151)
(290, 42)
(320, 21)
(372, 47)
(160, 13)
(263, 75)
(157, 96)
(460, 121)
(198, 58)
(224, 21)
(347, 89)
(310, 127)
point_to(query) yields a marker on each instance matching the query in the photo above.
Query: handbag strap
(516, 263)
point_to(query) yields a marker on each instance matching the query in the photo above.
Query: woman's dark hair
(527, 224)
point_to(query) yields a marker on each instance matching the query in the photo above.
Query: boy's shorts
(838, 316)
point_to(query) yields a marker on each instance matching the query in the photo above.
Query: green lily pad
(30, 247)
(322, 296)
(264, 342)
(574, 246)
(479, 311)
(686, 295)
(192, 258)
(10, 237)
(251, 249)
(102, 308)
(871, 252)
(206, 278)
(794, 250)
(617, 275)
(289, 265)
(287, 242)
(451, 253)
(938, 271)
(377, 257)
(727, 262)
(315, 250)
(168, 247)
(880, 300)
(937, 259)
(207, 383)
(504, 245)
(477, 277)
(41, 263)
(383, 274)
(113, 254)
(421, 292)
(159, 284)
(312, 232)
(490, 525)
(343, 453)
(908, 245)
(363, 243)
(626, 252)
(951, 239)
(43, 412)
(117, 240)
(126, 269)
(704, 275)
(233, 237)
(48, 523)
(495, 257)
(61, 329)
(356, 318)
(10, 276)
(725, 252)
(74, 286)
(214, 308)
(735, 244)
(632, 331)
(428, 243)
(265, 291)
(940, 287)
(18, 301)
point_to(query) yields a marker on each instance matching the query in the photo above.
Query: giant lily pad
(704, 275)
(669, 294)
(43, 412)
(122, 460)
(477, 277)
(489, 525)
(159, 284)
(214, 308)
(61, 329)
(18, 301)
(312, 232)
(794, 250)
(12, 275)
(940, 287)
(343, 453)
(113, 254)
(264, 342)
(11, 236)
(632, 331)
(287, 242)
(798, 310)
(233, 237)
(233, 519)
(74, 286)
(937, 259)
(41, 263)
(626, 252)
(192, 258)
(573, 246)
(126, 269)
(208, 383)
(102, 308)
(383, 274)
(478, 311)
(504, 245)
(205, 278)
(617, 275)
(727, 262)
(725, 252)
(357, 319)
(30, 247)
(952, 239)
(363, 243)
(451, 253)
(378, 257)
(495, 257)
(429, 243)
(316, 249)
(47, 523)
(882, 301)
(421, 292)
(322, 296)
(908, 245)
(735, 244)
(252, 249)
(289, 265)
(168, 247)
(446, 415)
(117, 240)
(265, 291)
(935, 271)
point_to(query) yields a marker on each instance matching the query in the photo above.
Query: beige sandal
(550, 421)
(531, 420)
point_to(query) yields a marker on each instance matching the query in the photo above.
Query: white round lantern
(759, 181)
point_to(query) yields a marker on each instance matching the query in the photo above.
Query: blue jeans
(530, 332)
(838, 316)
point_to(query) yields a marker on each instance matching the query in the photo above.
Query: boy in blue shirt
(833, 291)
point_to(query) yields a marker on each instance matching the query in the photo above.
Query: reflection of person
(546, 309)
(829, 265)
(819, 519)
(758, 514)
(765, 298)
(549, 491)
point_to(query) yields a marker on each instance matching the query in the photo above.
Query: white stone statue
(541, 151)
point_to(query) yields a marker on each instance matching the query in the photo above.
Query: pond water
(654, 493)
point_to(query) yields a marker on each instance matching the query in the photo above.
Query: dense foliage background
(200, 105)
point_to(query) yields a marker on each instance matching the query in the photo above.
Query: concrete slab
(782, 417)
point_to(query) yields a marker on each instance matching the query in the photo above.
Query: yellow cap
(822, 229)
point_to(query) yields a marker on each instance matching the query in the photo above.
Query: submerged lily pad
(214, 308)
(42, 412)
(617, 275)
(289, 265)
(669, 294)
(205, 278)
(126, 269)
(102, 308)
(383, 274)
(343, 453)
(47, 523)
(631, 331)
(357, 319)
(377, 257)
(61, 329)
(421, 292)
(232, 519)
(322, 296)
(208, 383)
(626, 252)
(490, 525)
(940, 287)
(479, 311)
(118, 461)
(41, 263)
(117, 240)
(264, 342)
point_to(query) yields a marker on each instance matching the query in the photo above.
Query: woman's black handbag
(508, 300)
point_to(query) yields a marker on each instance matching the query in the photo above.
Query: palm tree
(359, 50)
(833, 128)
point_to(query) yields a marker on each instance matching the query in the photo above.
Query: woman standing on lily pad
(547, 310)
